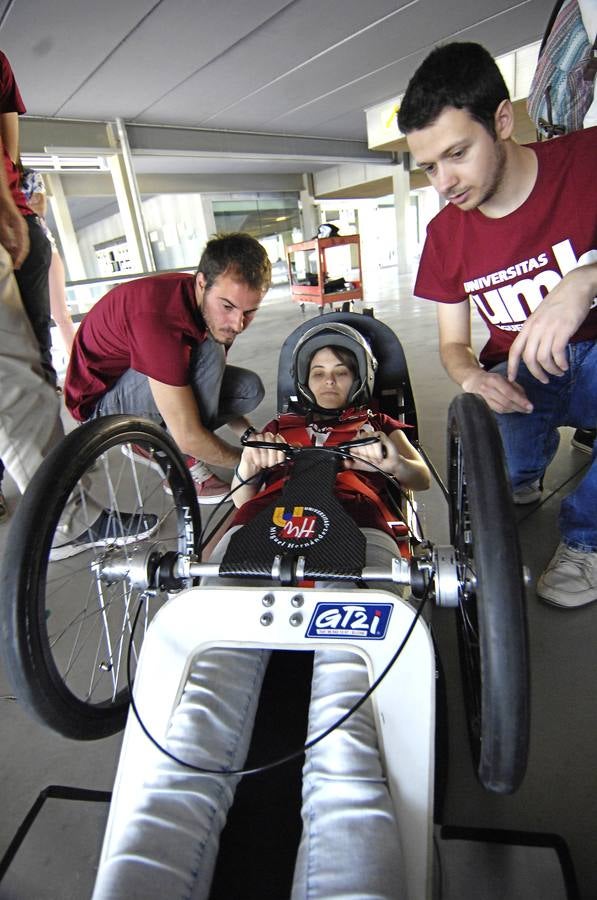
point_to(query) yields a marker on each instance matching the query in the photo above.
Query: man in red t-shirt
(518, 238)
(156, 347)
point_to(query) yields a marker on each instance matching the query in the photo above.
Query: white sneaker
(570, 579)
(527, 493)
(110, 529)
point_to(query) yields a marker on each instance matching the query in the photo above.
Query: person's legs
(531, 440)
(223, 393)
(169, 841)
(242, 391)
(130, 395)
(169, 844)
(570, 579)
(578, 514)
(350, 845)
(29, 407)
(32, 279)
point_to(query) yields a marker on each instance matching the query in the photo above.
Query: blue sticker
(367, 621)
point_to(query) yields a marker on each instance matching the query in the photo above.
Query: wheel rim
(468, 620)
(87, 620)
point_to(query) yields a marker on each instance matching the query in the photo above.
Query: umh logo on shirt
(367, 621)
(508, 305)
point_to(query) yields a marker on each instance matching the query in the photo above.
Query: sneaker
(141, 455)
(107, 529)
(212, 490)
(208, 487)
(583, 439)
(3, 507)
(527, 493)
(570, 579)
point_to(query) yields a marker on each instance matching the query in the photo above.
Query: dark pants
(32, 279)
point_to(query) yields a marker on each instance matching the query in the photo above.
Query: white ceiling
(301, 68)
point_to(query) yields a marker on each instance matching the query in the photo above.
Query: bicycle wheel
(491, 615)
(113, 487)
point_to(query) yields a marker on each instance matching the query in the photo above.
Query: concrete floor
(556, 801)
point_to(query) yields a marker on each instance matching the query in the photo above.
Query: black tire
(65, 631)
(491, 615)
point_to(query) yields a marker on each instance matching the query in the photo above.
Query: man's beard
(498, 174)
(227, 340)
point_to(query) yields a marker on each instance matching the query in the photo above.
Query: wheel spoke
(79, 620)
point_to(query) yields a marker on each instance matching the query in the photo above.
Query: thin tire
(65, 626)
(491, 615)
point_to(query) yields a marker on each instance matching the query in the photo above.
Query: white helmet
(334, 335)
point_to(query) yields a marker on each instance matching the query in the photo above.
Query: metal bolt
(268, 600)
(266, 619)
(297, 600)
(296, 619)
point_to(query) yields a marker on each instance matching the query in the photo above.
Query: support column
(64, 225)
(401, 187)
(368, 229)
(206, 219)
(309, 209)
(129, 201)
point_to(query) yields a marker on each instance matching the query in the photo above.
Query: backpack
(563, 84)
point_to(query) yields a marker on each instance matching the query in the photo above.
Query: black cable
(297, 753)
(345, 454)
(342, 450)
(204, 540)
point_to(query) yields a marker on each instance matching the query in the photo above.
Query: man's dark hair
(239, 255)
(461, 75)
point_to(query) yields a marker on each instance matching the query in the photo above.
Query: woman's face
(330, 380)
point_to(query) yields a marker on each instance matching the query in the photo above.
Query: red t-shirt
(360, 507)
(11, 101)
(506, 266)
(149, 325)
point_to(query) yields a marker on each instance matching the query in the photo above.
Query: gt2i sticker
(298, 528)
(368, 621)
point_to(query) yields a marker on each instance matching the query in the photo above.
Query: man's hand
(502, 395)
(544, 337)
(461, 363)
(14, 234)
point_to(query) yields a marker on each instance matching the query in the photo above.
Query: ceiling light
(54, 162)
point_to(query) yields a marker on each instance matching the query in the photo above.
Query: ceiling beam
(39, 135)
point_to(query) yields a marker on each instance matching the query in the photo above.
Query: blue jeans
(222, 392)
(530, 441)
(350, 844)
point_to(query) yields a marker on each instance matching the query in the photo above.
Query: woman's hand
(381, 452)
(393, 454)
(254, 459)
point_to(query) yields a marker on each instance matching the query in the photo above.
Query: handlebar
(291, 452)
(306, 533)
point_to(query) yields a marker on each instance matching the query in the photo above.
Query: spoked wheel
(491, 615)
(112, 489)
